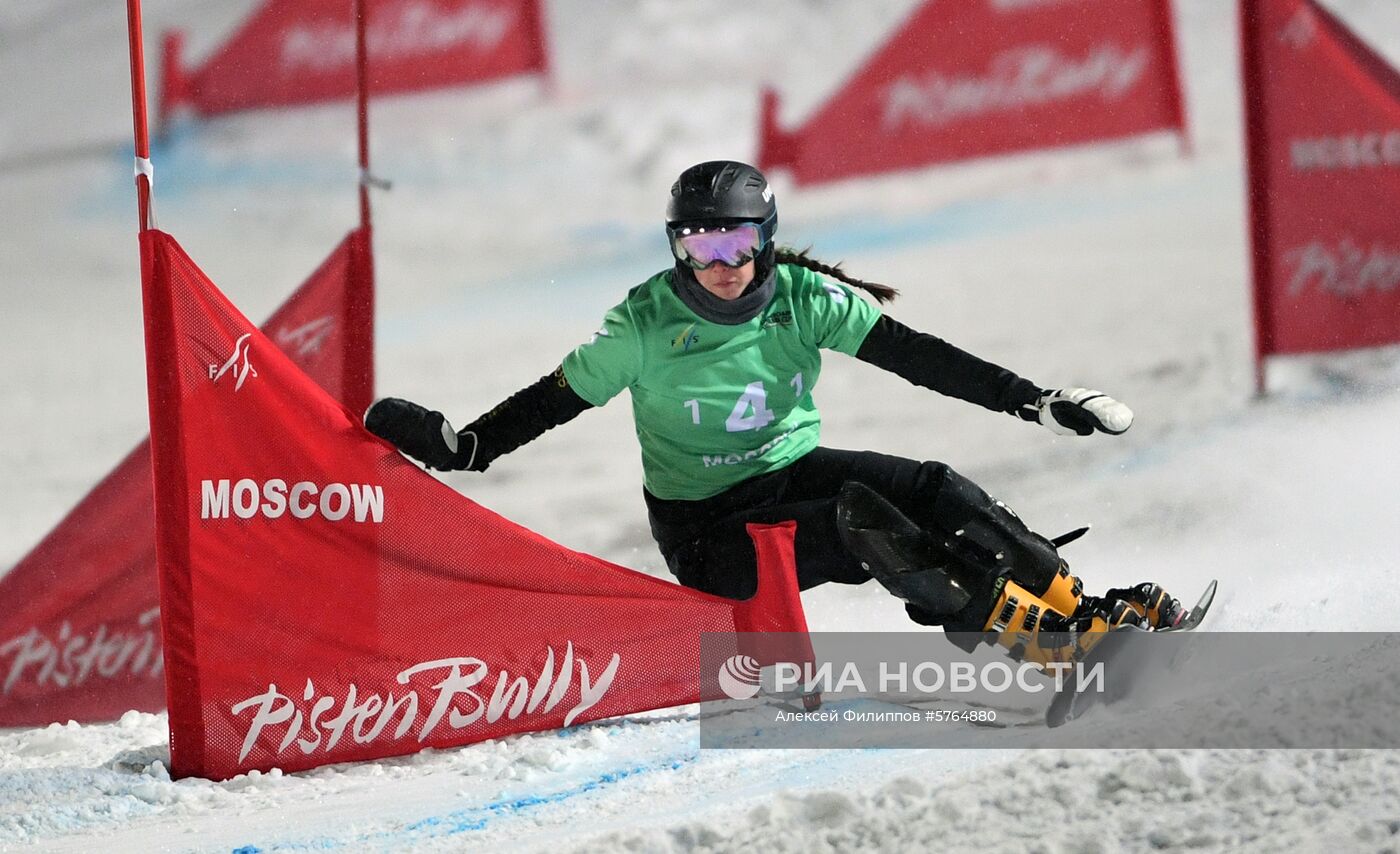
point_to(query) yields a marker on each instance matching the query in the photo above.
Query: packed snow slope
(518, 215)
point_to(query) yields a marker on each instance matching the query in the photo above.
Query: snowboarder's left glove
(421, 433)
(1079, 412)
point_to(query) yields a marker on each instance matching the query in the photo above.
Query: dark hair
(788, 255)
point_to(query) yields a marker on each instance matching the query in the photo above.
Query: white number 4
(751, 411)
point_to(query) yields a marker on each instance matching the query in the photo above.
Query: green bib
(715, 404)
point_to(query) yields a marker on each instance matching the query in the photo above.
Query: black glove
(1079, 411)
(420, 433)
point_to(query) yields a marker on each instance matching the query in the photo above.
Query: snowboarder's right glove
(421, 433)
(1079, 412)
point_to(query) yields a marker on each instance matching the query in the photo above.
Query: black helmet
(723, 190)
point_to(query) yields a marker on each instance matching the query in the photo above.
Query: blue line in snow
(477, 817)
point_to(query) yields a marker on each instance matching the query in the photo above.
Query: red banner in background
(79, 623)
(1323, 124)
(324, 600)
(980, 77)
(303, 51)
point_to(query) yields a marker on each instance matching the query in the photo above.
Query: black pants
(707, 548)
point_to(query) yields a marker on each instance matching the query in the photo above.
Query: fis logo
(306, 340)
(685, 339)
(238, 364)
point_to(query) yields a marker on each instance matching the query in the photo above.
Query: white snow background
(518, 215)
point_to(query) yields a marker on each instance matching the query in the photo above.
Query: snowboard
(1122, 658)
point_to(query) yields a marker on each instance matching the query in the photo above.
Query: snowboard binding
(1037, 621)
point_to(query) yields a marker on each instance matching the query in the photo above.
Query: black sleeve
(525, 415)
(935, 364)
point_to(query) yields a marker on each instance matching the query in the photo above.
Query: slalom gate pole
(362, 99)
(1257, 190)
(1166, 32)
(144, 172)
(359, 309)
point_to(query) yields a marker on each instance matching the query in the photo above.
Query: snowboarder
(721, 354)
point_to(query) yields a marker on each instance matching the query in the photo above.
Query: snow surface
(518, 216)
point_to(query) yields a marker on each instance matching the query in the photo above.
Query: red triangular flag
(325, 600)
(291, 52)
(976, 78)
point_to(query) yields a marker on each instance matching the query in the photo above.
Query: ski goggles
(731, 245)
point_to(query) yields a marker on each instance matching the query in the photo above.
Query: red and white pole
(359, 294)
(362, 96)
(144, 173)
